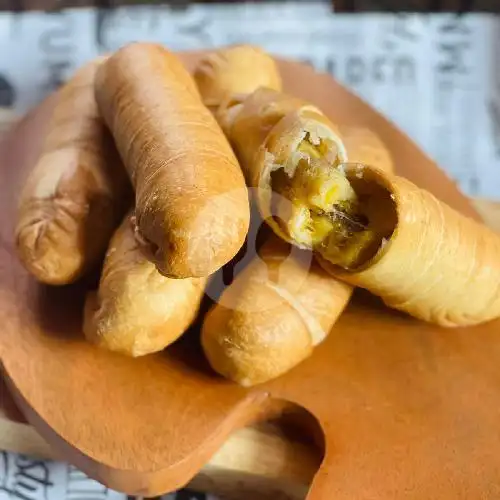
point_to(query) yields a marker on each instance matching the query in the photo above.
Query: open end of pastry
(334, 209)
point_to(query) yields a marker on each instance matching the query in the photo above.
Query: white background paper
(24, 478)
(433, 75)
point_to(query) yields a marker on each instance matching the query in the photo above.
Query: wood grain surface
(256, 460)
(401, 409)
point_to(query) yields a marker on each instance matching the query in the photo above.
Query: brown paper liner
(136, 310)
(233, 71)
(438, 266)
(191, 200)
(270, 318)
(78, 191)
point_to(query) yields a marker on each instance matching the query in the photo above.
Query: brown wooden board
(403, 409)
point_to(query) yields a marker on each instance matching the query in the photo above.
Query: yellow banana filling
(319, 209)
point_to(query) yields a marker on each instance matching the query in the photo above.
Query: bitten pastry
(136, 310)
(271, 317)
(291, 153)
(192, 208)
(416, 253)
(251, 121)
(78, 192)
(235, 71)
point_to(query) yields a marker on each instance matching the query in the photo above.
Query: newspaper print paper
(436, 76)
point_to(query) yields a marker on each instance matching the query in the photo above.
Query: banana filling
(319, 207)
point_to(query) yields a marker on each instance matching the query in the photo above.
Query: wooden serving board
(262, 460)
(400, 409)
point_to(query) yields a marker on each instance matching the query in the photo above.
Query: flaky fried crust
(192, 207)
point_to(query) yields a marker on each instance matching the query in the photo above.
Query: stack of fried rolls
(146, 170)
(133, 122)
